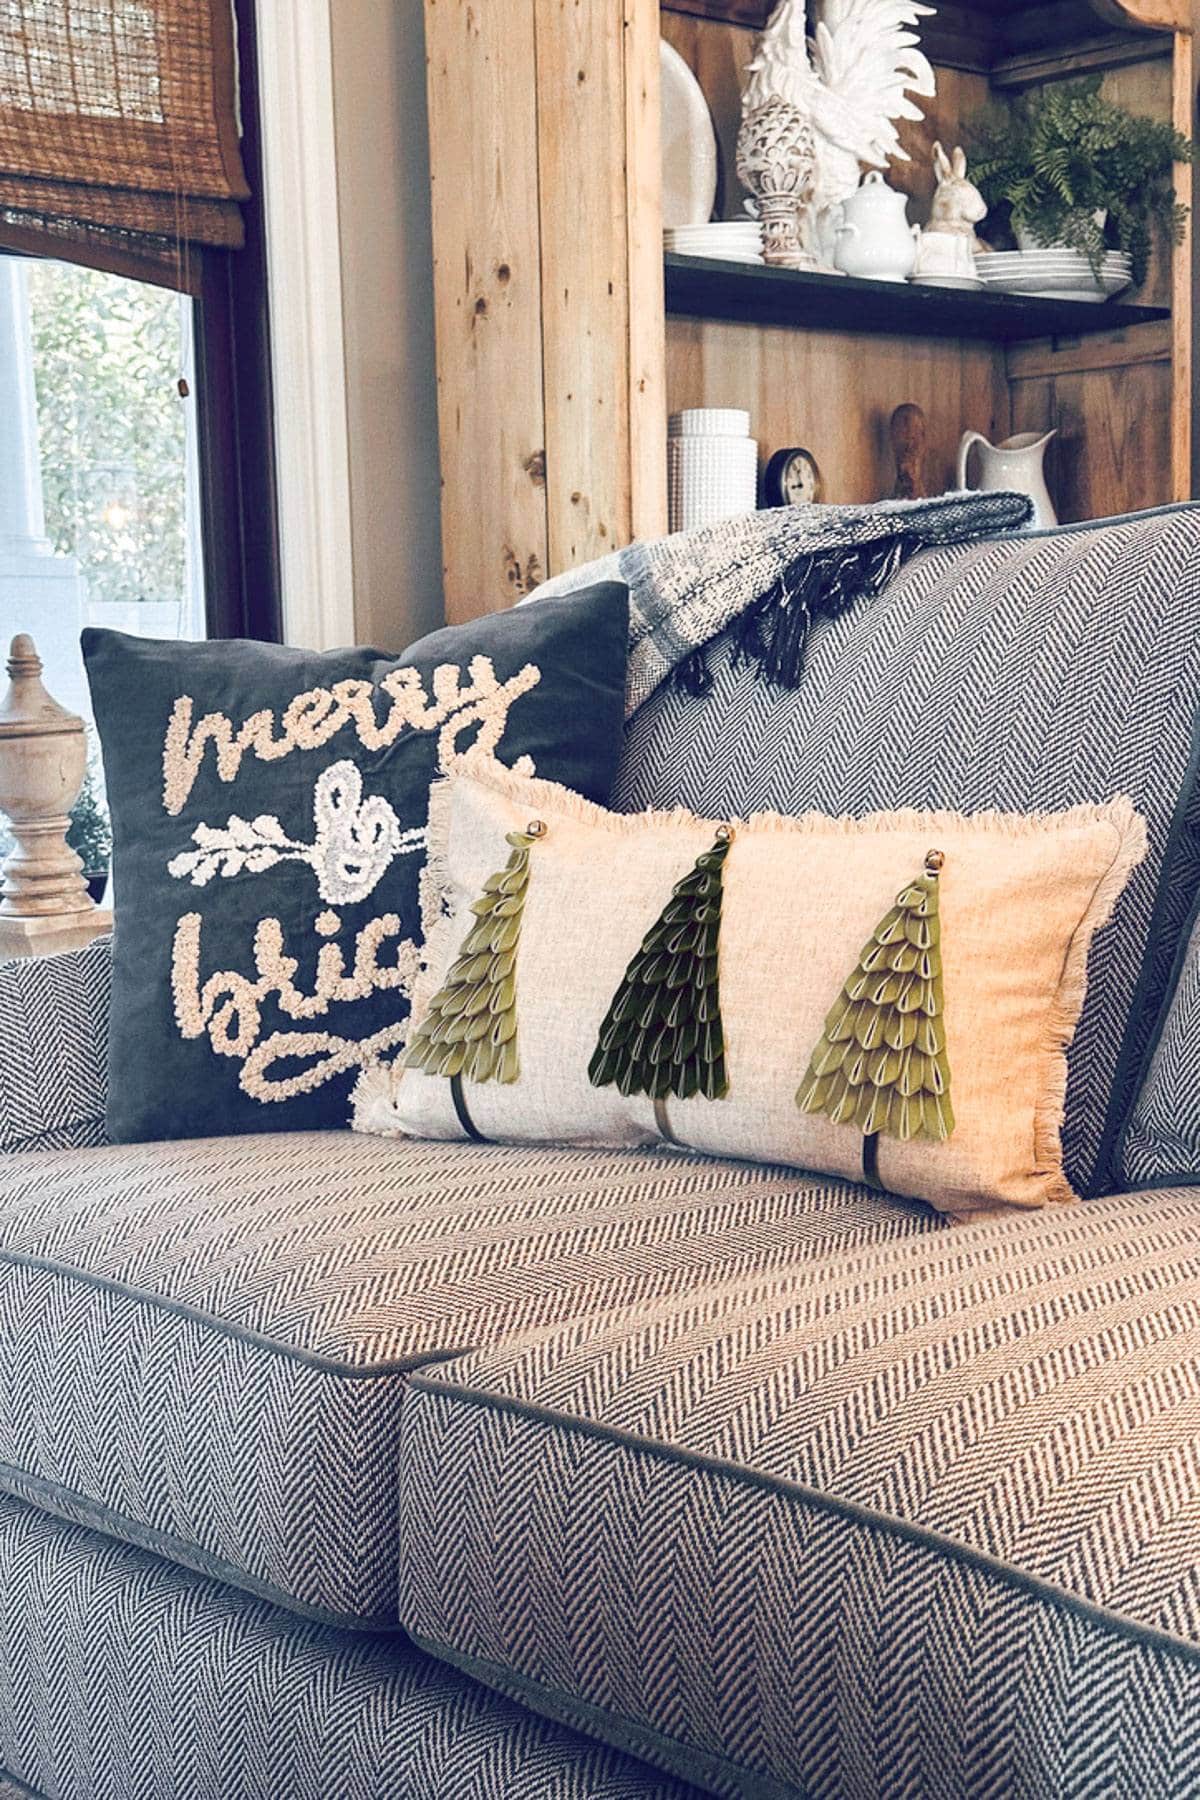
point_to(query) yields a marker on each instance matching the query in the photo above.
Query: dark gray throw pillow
(269, 809)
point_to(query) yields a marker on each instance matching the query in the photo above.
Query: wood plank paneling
(1121, 406)
(601, 245)
(555, 370)
(643, 199)
(1160, 15)
(547, 214)
(580, 89)
(737, 12)
(1075, 356)
(835, 394)
(487, 298)
(1112, 454)
(1146, 88)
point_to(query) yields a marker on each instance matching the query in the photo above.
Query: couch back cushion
(1162, 1144)
(1024, 673)
(54, 1049)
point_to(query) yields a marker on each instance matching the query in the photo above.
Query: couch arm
(54, 1049)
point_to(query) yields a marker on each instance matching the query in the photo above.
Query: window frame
(235, 403)
(235, 416)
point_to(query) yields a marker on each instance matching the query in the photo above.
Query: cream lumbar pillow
(888, 998)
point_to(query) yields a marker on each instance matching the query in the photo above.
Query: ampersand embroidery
(355, 842)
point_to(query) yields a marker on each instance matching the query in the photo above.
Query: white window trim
(308, 352)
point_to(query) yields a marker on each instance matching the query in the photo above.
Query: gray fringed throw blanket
(772, 572)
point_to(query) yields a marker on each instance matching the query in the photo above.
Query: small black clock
(792, 478)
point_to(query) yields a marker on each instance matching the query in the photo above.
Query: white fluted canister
(712, 466)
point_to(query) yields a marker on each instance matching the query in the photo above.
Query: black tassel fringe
(693, 674)
(771, 635)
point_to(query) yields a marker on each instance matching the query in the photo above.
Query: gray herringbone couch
(336, 1467)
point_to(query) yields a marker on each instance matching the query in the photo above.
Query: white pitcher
(1016, 466)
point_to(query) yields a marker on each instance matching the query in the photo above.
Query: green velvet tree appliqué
(662, 1035)
(470, 1030)
(881, 1063)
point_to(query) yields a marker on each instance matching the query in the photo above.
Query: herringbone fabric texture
(125, 1679)
(919, 1518)
(54, 1049)
(204, 1346)
(1163, 1140)
(1025, 674)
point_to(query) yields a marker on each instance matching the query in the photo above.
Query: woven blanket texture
(686, 588)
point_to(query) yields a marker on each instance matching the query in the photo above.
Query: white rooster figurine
(852, 82)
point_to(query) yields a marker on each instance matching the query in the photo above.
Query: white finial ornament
(44, 902)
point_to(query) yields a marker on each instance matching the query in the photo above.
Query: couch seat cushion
(914, 1517)
(204, 1345)
(125, 1679)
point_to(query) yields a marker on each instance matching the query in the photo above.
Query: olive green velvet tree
(469, 1032)
(881, 1063)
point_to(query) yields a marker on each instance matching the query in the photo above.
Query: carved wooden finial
(26, 707)
(44, 902)
(23, 658)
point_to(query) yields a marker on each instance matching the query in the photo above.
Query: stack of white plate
(738, 240)
(1055, 274)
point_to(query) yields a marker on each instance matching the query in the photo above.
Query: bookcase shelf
(705, 288)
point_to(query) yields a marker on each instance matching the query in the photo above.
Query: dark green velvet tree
(662, 1034)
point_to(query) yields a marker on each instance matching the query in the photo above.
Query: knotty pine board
(585, 288)
(487, 299)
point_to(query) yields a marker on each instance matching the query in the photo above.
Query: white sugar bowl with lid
(875, 240)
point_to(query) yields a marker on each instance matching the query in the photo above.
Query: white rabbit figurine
(949, 244)
(958, 205)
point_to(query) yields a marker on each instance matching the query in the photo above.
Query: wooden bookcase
(564, 338)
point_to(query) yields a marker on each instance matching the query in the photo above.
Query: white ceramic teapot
(876, 240)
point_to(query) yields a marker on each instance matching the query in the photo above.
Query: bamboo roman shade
(119, 140)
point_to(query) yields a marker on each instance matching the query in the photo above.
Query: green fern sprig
(1054, 159)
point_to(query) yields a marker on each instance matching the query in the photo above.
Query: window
(100, 516)
(136, 467)
(136, 454)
